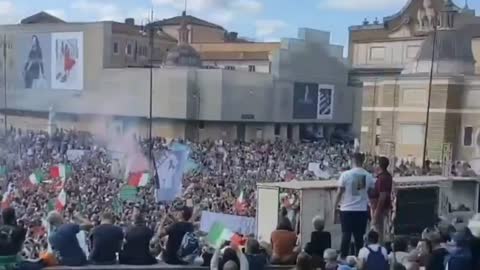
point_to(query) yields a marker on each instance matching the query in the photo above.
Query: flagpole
(5, 83)
(151, 33)
(429, 99)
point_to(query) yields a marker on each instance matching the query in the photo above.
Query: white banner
(315, 168)
(75, 155)
(237, 224)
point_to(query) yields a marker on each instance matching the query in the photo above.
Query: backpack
(189, 246)
(376, 260)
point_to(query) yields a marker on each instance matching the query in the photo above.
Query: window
(467, 136)
(229, 67)
(378, 122)
(115, 47)
(377, 53)
(411, 134)
(201, 125)
(412, 51)
(277, 129)
(377, 140)
(251, 68)
(414, 97)
(129, 49)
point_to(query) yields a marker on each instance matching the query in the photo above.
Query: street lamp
(5, 45)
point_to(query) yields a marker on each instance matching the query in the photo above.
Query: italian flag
(138, 179)
(61, 171)
(241, 204)
(61, 201)
(36, 178)
(218, 234)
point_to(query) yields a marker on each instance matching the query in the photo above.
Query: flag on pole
(218, 234)
(61, 171)
(140, 179)
(241, 204)
(7, 196)
(36, 177)
(61, 201)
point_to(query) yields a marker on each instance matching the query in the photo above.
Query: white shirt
(364, 252)
(357, 182)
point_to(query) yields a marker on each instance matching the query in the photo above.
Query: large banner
(32, 61)
(305, 96)
(237, 224)
(170, 175)
(67, 61)
(312, 101)
(325, 102)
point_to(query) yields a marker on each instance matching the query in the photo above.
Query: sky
(261, 20)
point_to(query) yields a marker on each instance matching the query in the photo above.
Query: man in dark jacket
(256, 259)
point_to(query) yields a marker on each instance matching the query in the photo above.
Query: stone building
(393, 63)
(81, 72)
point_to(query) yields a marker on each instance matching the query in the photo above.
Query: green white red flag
(61, 201)
(140, 179)
(61, 171)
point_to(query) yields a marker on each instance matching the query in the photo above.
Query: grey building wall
(311, 58)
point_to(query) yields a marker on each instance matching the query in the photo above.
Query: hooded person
(474, 227)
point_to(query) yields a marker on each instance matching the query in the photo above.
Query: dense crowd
(223, 170)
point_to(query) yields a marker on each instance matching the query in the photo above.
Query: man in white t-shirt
(354, 186)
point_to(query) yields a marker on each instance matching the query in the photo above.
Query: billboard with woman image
(33, 61)
(67, 61)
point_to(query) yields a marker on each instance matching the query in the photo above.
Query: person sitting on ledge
(136, 250)
(284, 241)
(320, 240)
(64, 241)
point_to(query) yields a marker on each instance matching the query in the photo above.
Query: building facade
(404, 111)
(77, 71)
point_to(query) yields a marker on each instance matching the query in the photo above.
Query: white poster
(325, 101)
(74, 154)
(315, 168)
(67, 61)
(236, 224)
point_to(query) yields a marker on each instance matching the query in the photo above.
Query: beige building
(393, 63)
(86, 75)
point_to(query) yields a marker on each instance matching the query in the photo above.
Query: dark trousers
(353, 223)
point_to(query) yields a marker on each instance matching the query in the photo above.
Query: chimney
(130, 21)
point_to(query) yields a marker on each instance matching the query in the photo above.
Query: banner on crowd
(236, 224)
(315, 168)
(170, 170)
(190, 166)
(75, 155)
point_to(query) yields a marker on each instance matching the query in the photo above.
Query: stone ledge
(150, 267)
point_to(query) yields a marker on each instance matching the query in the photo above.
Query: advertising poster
(33, 61)
(325, 102)
(67, 61)
(305, 100)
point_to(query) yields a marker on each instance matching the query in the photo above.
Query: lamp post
(427, 120)
(5, 82)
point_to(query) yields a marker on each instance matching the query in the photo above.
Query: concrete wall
(260, 66)
(198, 34)
(385, 54)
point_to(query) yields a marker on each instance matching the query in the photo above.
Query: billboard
(67, 61)
(33, 61)
(305, 96)
(312, 101)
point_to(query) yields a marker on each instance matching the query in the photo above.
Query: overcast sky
(263, 20)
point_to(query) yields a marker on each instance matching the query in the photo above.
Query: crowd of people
(92, 192)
